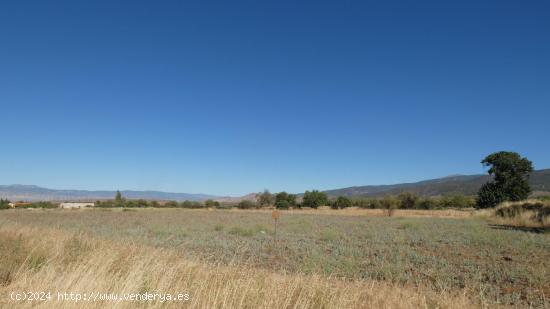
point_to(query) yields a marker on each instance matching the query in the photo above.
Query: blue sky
(233, 97)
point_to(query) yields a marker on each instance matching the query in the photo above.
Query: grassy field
(323, 258)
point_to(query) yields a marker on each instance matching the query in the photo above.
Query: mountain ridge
(453, 184)
(18, 192)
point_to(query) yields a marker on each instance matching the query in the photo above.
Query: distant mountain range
(35, 193)
(464, 184)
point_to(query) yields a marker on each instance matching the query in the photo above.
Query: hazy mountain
(35, 193)
(236, 199)
(465, 184)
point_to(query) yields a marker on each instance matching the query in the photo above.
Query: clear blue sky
(233, 97)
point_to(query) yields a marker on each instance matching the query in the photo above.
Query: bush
(314, 199)
(389, 204)
(265, 198)
(4, 204)
(457, 201)
(190, 204)
(104, 204)
(407, 200)
(171, 204)
(427, 203)
(341, 202)
(490, 195)
(211, 203)
(290, 199)
(282, 204)
(130, 204)
(246, 204)
(41, 205)
(141, 203)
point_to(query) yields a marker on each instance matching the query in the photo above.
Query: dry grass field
(231, 258)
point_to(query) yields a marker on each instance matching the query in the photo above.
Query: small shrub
(282, 204)
(40, 205)
(211, 203)
(4, 204)
(265, 198)
(389, 204)
(171, 204)
(282, 197)
(407, 200)
(246, 204)
(427, 203)
(457, 201)
(190, 204)
(341, 202)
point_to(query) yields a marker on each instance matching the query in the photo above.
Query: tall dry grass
(43, 259)
(528, 213)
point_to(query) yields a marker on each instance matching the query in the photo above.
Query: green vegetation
(119, 201)
(211, 203)
(246, 204)
(409, 200)
(284, 200)
(4, 204)
(265, 198)
(511, 179)
(341, 202)
(390, 203)
(39, 205)
(314, 199)
(489, 263)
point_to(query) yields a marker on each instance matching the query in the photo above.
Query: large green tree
(510, 172)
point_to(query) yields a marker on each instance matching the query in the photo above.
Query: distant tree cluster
(409, 200)
(4, 204)
(265, 198)
(510, 182)
(314, 199)
(341, 202)
(285, 200)
(120, 201)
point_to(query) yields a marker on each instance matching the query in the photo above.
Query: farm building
(75, 205)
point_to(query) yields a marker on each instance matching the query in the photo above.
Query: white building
(75, 205)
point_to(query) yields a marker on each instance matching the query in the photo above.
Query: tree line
(509, 182)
